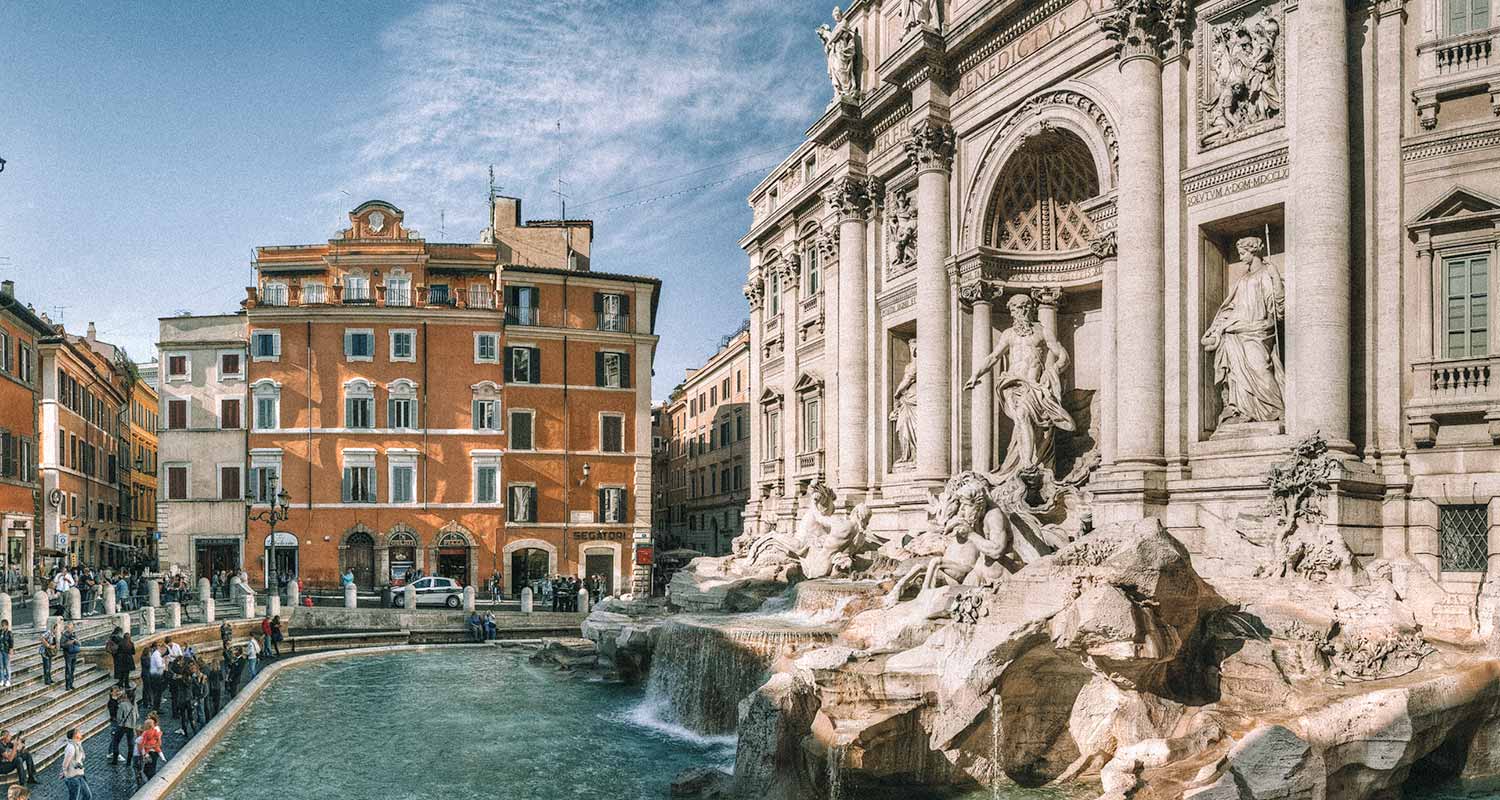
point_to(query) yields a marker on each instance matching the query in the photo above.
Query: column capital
(1104, 246)
(979, 291)
(828, 246)
(1385, 8)
(930, 146)
(755, 293)
(876, 189)
(849, 196)
(1143, 28)
(1049, 296)
(791, 270)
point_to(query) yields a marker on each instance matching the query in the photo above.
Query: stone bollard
(526, 600)
(39, 610)
(148, 622)
(75, 603)
(469, 599)
(293, 594)
(351, 596)
(249, 604)
(111, 605)
(273, 606)
(208, 611)
(205, 589)
(174, 615)
(410, 596)
(583, 600)
(5, 608)
(123, 621)
(153, 593)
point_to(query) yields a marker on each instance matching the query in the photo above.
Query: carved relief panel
(1241, 71)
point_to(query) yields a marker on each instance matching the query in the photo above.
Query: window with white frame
(231, 366)
(612, 311)
(359, 405)
(230, 487)
(1466, 294)
(612, 433)
(274, 294)
(812, 420)
(267, 395)
(401, 407)
(523, 364)
(812, 269)
(356, 288)
(177, 484)
(314, 292)
(359, 344)
(612, 504)
(521, 434)
(772, 444)
(359, 476)
(398, 290)
(27, 364)
(403, 466)
(177, 366)
(522, 505)
(265, 475)
(485, 410)
(1466, 16)
(612, 370)
(404, 344)
(265, 345)
(486, 474)
(486, 348)
(773, 292)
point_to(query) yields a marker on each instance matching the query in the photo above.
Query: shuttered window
(177, 482)
(177, 414)
(612, 370)
(1467, 16)
(1466, 317)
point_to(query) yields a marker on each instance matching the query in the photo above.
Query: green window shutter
(1479, 17)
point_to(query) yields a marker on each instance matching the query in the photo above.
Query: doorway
(214, 555)
(359, 558)
(603, 565)
(527, 566)
(453, 557)
(284, 560)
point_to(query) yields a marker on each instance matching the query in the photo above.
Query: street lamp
(278, 511)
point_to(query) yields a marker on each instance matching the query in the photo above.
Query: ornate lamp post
(278, 511)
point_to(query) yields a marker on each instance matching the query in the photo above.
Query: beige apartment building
(706, 428)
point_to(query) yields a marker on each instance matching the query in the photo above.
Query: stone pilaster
(755, 296)
(1318, 280)
(1104, 248)
(930, 149)
(850, 198)
(979, 295)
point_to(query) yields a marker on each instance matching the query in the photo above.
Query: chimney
(93, 334)
(7, 288)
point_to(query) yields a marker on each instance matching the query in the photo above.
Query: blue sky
(150, 147)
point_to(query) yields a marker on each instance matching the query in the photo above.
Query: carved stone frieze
(1104, 246)
(1241, 72)
(1237, 177)
(979, 290)
(901, 231)
(1143, 28)
(930, 146)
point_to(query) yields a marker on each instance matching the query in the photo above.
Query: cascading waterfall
(996, 732)
(836, 772)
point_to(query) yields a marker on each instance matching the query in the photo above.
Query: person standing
(234, 667)
(124, 719)
(276, 635)
(265, 637)
(72, 767)
(226, 633)
(7, 643)
(156, 675)
(216, 688)
(150, 743)
(122, 592)
(124, 657)
(70, 649)
(252, 657)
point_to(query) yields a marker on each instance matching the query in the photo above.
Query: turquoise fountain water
(446, 724)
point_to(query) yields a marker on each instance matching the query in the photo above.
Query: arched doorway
(453, 556)
(527, 565)
(359, 558)
(402, 555)
(283, 555)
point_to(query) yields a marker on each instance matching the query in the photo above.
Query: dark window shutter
(602, 505)
(531, 505)
(625, 370)
(510, 364)
(344, 488)
(624, 305)
(598, 302)
(536, 365)
(598, 368)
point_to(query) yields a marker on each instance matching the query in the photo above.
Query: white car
(433, 591)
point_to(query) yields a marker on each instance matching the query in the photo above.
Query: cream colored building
(1105, 158)
(707, 448)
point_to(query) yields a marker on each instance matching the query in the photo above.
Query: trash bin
(385, 596)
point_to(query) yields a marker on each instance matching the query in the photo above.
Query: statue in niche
(1244, 80)
(902, 225)
(1029, 387)
(1242, 336)
(904, 410)
(842, 51)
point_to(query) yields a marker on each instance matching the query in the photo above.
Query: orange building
(20, 390)
(446, 408)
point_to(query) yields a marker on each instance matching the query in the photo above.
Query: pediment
(769, 397)
(808, 382)
(1457, 204)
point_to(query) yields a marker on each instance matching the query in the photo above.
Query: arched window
(486, 407)
(359, 404)
(401, 407)
(773, 284)
(1038, 206)
(267, 405)
(812, 266)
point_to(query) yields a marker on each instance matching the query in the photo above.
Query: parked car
(433, 591)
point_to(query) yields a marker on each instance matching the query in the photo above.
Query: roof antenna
(442, 224)
(562, 200)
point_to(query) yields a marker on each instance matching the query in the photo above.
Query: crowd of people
(561, 591)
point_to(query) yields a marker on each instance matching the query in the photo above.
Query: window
(611, 311)
(713, 395)
(177, 483)
(437, 295)
(229, 413)
(274, 294)
(521, 304)
(359, 477)
(229, 482)
(27, 365)
(612, 504)
(487, 479)
(520, 430)
(724, 388)
(1463, 536)
(177, 367)
(1466, 324)
(177, 415)
(10, 456)
(403, 345)
(522, 503)
(811, 422)
(7, 364)
(1467, 16)
(739, 427)
(398, 290)
(267, 406)
(480, 296)
(314, 292)
(773, 293)
(265, 345)
(403, 477)
(265, 477)
(359, 405)
(739, 476)
(486, 348)
(724, 431)
(485, 411)
(356, 289)
(612, 370)
(612, 433)
(773, 433)
(809, 168)
(401, 408)
(229, 366)
(359, 345)
(812, 270)
(523, 364)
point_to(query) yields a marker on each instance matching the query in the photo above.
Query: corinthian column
(1141, 30)
(1317, 320)
(754, 295)
(931, 151)
(980, 295)
(850, 197)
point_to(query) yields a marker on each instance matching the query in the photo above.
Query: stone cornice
(1247, 173)
(1450, 143)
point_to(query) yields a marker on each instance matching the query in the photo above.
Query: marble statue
(832, 541)
(975, 537)
(917, 14)
(1029, 387)
(841, 48)
(902, 224)
(1244, 78)
(1242, 337)
(904, 411)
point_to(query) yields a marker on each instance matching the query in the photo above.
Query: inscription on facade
(1033, 39)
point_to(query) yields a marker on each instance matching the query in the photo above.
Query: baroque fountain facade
(1190, 492)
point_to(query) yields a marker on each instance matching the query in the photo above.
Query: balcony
(1452, 66)
(611, 322)
(480, 297)
(522, 315)
(810, 464)
(1455, 390)
(398, 296)
(771, 470)
(440, 296)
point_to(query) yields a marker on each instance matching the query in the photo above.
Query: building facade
(469, 410)
(141, 461)
(20, 393)
(708, 448)
(1148, 245)
(201, 443)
